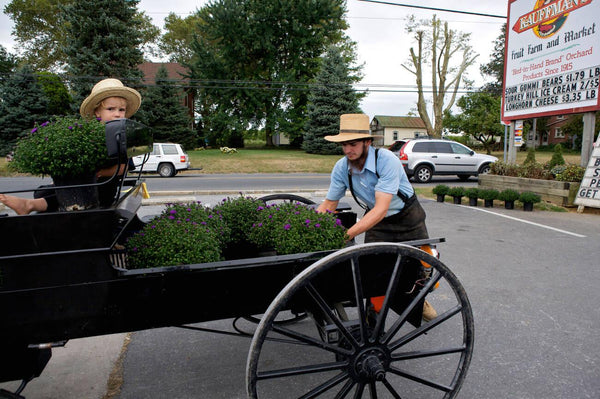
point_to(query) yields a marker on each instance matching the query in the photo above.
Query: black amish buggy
(345, 323)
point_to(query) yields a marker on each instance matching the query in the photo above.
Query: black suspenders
(407, 201)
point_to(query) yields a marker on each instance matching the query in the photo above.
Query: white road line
(525, 221)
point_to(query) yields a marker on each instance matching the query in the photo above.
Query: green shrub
(440, 189)
(534, 171)
(501, 168)
(488, 194)
(457, 191)
(239, 214)
(557, 157)
(472, 192)
(508, 195)
(530, 156)
(528, 196)
(570, 173)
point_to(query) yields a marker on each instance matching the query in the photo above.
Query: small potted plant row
(488, 196)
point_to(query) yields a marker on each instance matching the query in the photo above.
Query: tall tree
(440, 46)
(495, 68)
(255, 56)
(479, 118)
(163, 111)
(177, 40)
(103, 40)
(59, 98)
(330, 96)
(23, 104)
(8, 63)
(41, 32)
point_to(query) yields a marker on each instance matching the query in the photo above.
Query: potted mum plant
(68, 149)
(441, 190)
(509, 197)
(457, 193)
(488, 196)
(472, 194)
(528, 199)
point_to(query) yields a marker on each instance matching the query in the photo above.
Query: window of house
(395, 135)
(559, 134)
(560, 117)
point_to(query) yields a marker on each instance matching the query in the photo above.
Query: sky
(382, 42)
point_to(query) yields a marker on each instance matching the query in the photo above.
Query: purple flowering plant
(64, 146)
(296, 228)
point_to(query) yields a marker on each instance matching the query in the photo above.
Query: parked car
(427, 157)
(166, 158)
(396, 146)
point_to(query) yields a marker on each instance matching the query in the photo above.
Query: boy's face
(111, 108)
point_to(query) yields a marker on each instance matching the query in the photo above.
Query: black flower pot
(488, 203)
(473, 201)
(528, 206)
(457, 200)
(76, 198)
(441, 197)
(509, 204)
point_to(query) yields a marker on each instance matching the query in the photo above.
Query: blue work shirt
(365, 182)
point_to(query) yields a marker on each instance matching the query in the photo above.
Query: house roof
(175, 71)
(399, 121)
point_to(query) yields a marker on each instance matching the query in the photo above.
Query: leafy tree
(8, 63)
(253, 71)
(103, 40)
(42, 33)
(59, 99)
(438, 44)
(479, 118)
(331, 96)
(23, 104)
(177, 41)
(163, 111)
(573, 128)
(495, 68)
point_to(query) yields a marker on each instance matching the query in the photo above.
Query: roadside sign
(518, 133)
(589, 190)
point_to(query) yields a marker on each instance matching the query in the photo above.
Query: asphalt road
(531, 278)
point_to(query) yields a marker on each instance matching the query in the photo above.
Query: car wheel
(464, 177)
(485, 169)
(423, 174)
(166, 170)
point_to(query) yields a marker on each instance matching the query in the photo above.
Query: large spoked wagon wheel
(292, 316)
(349, 349)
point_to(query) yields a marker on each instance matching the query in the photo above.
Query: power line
(435, 9)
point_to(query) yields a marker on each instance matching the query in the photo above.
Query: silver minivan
(166, 158)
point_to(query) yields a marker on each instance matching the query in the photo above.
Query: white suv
(166, 158)
(423, 158)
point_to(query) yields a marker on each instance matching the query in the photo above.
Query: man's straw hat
(110, 88)
(353, 127)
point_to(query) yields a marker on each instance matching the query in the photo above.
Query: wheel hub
(371, 364)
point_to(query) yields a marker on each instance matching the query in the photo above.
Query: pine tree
(331, 97)
(23, 104)
(103, 40)
(163, 111)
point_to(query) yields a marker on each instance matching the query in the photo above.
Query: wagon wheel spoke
(359, 298)
(391, 288)
(391, 389)
(404, 316)
(311, 341)
(420, 380)
(372, 390)
(314, 368)
(427, 353)
(326, 386)
(424, 328)
(345, 389)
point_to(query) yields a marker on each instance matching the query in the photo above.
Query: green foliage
(331, 97)
(502, 168)
(67, 146)
(472, 192)
(530, 156)
(508, 195)
(23, 104)
(103, 39)
(168, 241)
(488, 194)
(256, 64)
(295, 228)
(59, 99)
(557, 157)
(440, 189)
(570, 173)
(495, 68)
(239, 213)
(163, 111)
(534, 170)
(8, 63)
(528, 196)
(457, 191)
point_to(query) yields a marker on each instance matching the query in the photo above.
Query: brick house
(394, 128)
(175, 72)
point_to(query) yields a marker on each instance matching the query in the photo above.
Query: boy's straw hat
(353, 127)
(110, 88)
